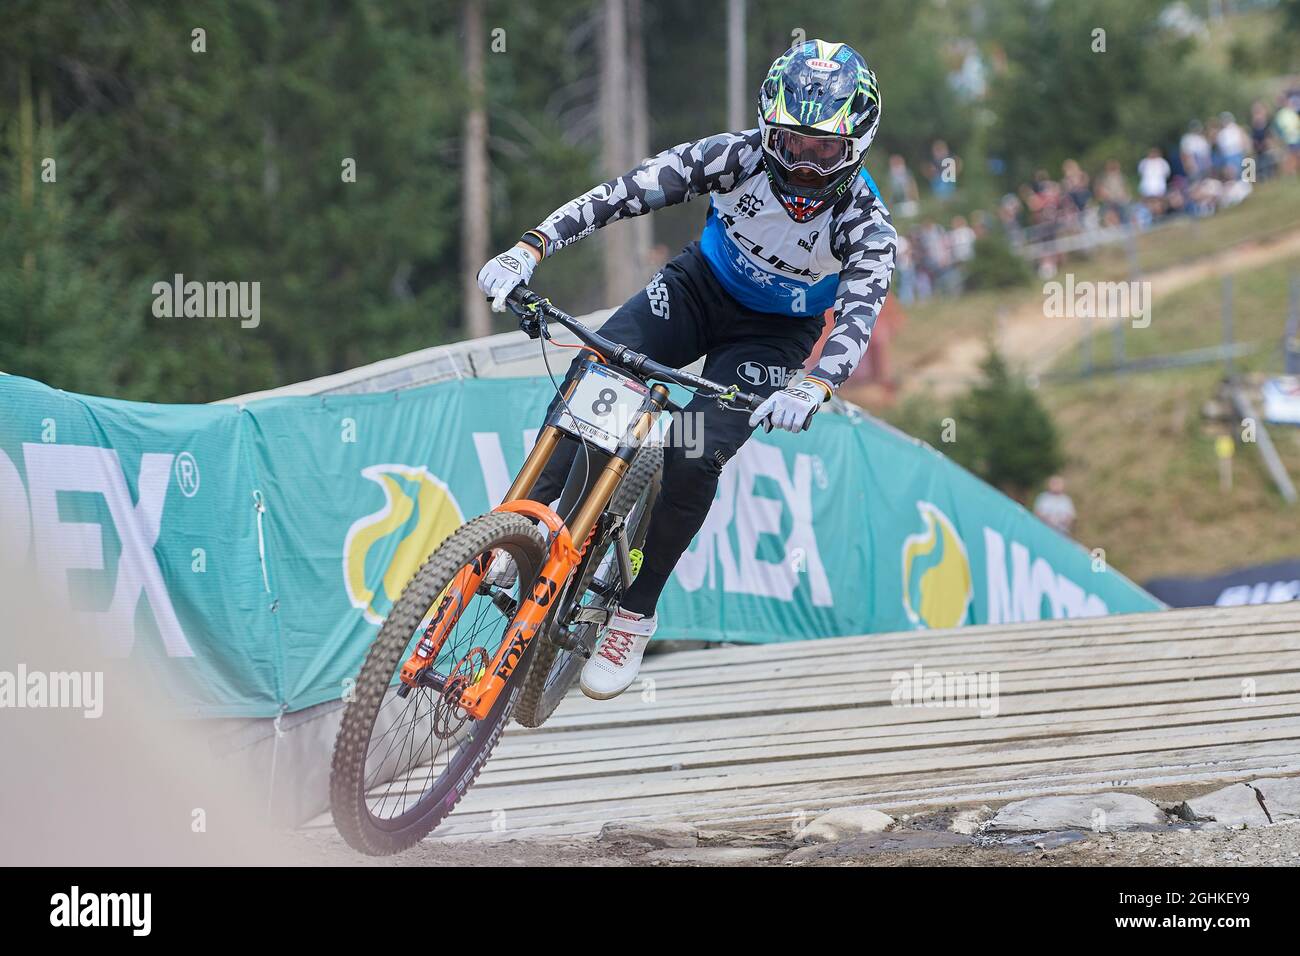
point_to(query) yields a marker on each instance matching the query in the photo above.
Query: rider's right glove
(500, 275)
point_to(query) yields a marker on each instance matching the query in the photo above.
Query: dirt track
(1034, 342)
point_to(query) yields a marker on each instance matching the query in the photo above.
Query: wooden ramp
(741, 735)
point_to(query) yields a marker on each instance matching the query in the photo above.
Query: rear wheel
(555, 669)
(403, 761)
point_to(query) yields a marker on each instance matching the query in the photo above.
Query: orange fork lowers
(467, 580)
(564, 557)
(477, 699)
(454, 599)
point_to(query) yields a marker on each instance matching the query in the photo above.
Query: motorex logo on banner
(383, 550)
(775, 538)
(937, 582)
(1019, 591)
(31, 524)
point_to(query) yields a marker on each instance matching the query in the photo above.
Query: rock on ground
(715, 855)
(1092, 811)
(1254, 804)
(969, 822)
(662, 835)
(844, 823)
(872, 844)
(1281, 796)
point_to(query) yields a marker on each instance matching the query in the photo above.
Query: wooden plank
(1032, 708)
(1105, 688)
(903, 736)
(863, 747)
(742, 669)
(836, 769)
(746, 661)
(872, 681)
(1122, 628)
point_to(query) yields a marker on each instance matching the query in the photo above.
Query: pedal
(591, 614)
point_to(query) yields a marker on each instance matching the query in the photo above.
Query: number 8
(606, 399)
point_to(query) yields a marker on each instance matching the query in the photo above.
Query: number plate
(603, 405)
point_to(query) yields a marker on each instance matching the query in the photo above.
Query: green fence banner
(247, 554)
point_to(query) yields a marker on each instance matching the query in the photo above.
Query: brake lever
(533, 326)
(728, 400)
(532, 321)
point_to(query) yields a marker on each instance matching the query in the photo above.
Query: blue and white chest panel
(763, 258)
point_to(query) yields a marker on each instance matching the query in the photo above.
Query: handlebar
(533, 309)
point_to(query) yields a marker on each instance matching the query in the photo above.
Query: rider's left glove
(792, 408)
(500, 275)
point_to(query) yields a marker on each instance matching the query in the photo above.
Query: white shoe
(617, 658)
(503, 572)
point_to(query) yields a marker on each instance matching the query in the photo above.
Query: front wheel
(405, 756)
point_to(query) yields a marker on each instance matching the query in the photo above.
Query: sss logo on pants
(657, 293)
(937, 584)
(383, 550)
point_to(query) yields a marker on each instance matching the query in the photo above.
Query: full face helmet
(818, 111)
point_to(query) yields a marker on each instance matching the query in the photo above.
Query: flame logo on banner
(384, 550)
(937, 584)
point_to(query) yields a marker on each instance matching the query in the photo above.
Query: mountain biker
(795, 226)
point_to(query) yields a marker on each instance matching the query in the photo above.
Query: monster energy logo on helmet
(818, 111)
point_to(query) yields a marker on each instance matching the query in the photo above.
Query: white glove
(500, 275)
(791, 408)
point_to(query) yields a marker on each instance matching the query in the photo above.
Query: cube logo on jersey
(756, 374)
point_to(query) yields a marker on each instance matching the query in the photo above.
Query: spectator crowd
(1214, 166)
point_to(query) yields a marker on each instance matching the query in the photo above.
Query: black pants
(682, 314)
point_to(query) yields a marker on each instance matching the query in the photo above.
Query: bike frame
(478, 698)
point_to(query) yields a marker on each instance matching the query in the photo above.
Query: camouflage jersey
(842, 257)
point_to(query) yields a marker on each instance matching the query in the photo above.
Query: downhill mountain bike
(458, 656)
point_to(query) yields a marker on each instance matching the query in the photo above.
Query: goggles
(817, 155)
